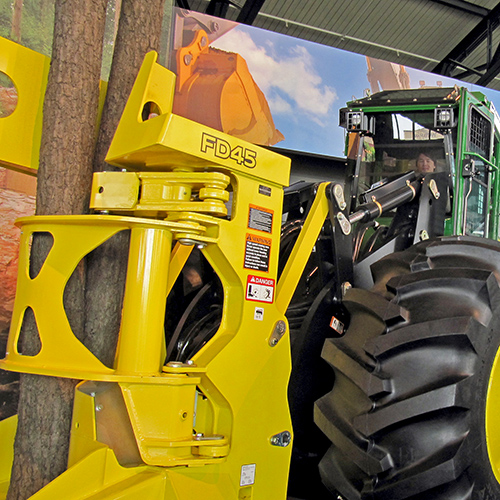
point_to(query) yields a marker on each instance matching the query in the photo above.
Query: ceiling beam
(249, 11)
(475, 71)
(469, 43)
(462, 5)
(217, 8)
(478, 70)
(492, 70)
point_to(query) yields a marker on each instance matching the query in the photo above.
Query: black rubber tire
(406, 415)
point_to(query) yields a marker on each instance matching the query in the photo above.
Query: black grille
(479, 133)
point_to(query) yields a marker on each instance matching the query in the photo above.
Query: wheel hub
(492, 412)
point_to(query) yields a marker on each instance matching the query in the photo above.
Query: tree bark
(17, 13)
(139, 31)
(93, 296)
(118, 7)
(64, 178)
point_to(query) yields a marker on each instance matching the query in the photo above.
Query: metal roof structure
(455, 38)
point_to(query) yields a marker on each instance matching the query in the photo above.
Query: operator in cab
(425, 164)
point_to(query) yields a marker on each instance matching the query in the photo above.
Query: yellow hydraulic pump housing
(217, 426)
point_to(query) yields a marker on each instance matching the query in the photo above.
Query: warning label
(337, 325)
(260, 218)
(257, 252)
(247, 476)
(260, 289)
(265, 190)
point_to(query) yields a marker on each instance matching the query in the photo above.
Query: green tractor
(410, 291)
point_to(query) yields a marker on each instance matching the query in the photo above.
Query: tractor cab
(449, 134)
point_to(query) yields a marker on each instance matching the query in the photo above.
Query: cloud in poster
(289, 81)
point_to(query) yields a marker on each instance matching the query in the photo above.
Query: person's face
(425, 164)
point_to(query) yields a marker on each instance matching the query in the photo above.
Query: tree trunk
(139, 32)
(64, 178)
(17, 13)
(66, 161)
(118, 7)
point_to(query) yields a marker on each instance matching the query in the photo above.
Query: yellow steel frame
(491, 420)
(208, 428)
(21, 131)
(7, 435)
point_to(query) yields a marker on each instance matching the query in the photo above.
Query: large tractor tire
(414, 412)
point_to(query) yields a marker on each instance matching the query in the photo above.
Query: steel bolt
(283, 439)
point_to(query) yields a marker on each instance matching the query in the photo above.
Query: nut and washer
(283, 439)
(345, 225)
(278, 332)
(338, 193)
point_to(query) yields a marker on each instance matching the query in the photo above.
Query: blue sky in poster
(307, 83)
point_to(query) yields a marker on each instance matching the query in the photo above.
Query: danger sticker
(257, 252)
(260, 289)
(260, 218)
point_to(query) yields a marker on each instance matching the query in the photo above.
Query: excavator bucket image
(215, 88)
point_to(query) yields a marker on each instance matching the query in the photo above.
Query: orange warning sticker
(257, 252)
(260, 218)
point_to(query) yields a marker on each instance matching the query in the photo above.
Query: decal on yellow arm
(260, 218)
(260, 289)
(221, 148)
(257, 252)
